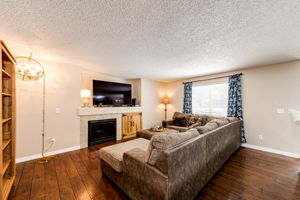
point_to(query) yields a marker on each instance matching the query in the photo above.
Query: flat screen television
(111, 94)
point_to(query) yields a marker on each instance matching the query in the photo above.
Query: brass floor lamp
(29, 69)
(165, 101)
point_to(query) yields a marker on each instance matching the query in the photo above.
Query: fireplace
(101, 131)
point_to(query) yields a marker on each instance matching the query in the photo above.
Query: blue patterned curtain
(187, 99)
(235, 108)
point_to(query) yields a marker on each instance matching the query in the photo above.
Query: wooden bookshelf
(7, 140)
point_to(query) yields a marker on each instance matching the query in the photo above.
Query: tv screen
(109, 93)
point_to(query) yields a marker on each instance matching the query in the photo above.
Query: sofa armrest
(166, 123)
(146, 181)
(135, 158)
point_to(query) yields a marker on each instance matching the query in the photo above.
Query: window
(210, 98)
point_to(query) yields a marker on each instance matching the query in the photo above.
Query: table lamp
(85, 94)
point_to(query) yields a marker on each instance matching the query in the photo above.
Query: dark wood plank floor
(249, 174)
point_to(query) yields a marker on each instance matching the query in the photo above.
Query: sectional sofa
(172, 166)
(183, 122)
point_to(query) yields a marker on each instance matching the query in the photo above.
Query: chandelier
(28, 68)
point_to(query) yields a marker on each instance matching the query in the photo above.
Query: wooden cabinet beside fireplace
(131, 123)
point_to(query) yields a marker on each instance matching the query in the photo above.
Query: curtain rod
(208, 79)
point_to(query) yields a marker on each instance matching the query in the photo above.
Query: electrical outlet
(260, 137)
(280, 110)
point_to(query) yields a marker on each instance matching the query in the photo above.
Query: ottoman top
(113, 155)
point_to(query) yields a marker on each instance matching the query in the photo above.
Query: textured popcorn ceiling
(158, 39)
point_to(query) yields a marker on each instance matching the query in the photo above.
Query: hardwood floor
(249, 174)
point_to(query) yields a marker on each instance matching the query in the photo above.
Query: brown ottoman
(148, 133)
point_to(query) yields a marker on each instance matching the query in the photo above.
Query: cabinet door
(131, 123)
(126, 124)
(136, 119)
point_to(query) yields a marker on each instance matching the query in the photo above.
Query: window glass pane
(210, 99)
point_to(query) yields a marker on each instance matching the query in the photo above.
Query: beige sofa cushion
(207, 127)
(195, 125)
(221, 122)
(113, 155)
(232, 119)
(197, 119)
(159, 143)
(178, 128)
(212, 117)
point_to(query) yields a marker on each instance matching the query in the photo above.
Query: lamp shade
(85, 93)
(165, 100)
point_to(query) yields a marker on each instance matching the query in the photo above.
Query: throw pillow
(197, 119)
(192, 120)
(161, 142)
(176, 114)
(180, 121)
(208, 127)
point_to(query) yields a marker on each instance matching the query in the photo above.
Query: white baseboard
(36, 156)
(289, 154)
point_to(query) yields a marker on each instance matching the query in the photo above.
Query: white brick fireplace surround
(91, 114)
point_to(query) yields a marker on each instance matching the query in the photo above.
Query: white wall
(264, 90)
(153, 110)
(62, 91)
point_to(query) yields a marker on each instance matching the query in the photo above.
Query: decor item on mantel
(165, 101)
(86, 94)
(8, 116)
(30, 69)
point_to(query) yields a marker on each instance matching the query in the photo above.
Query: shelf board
(6, 187)
(6, 94)
(7, 52)
(5, 143)
(5, 120)
(5, 73)
(5, 166)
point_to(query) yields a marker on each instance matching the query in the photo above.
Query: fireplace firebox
(101, 131)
